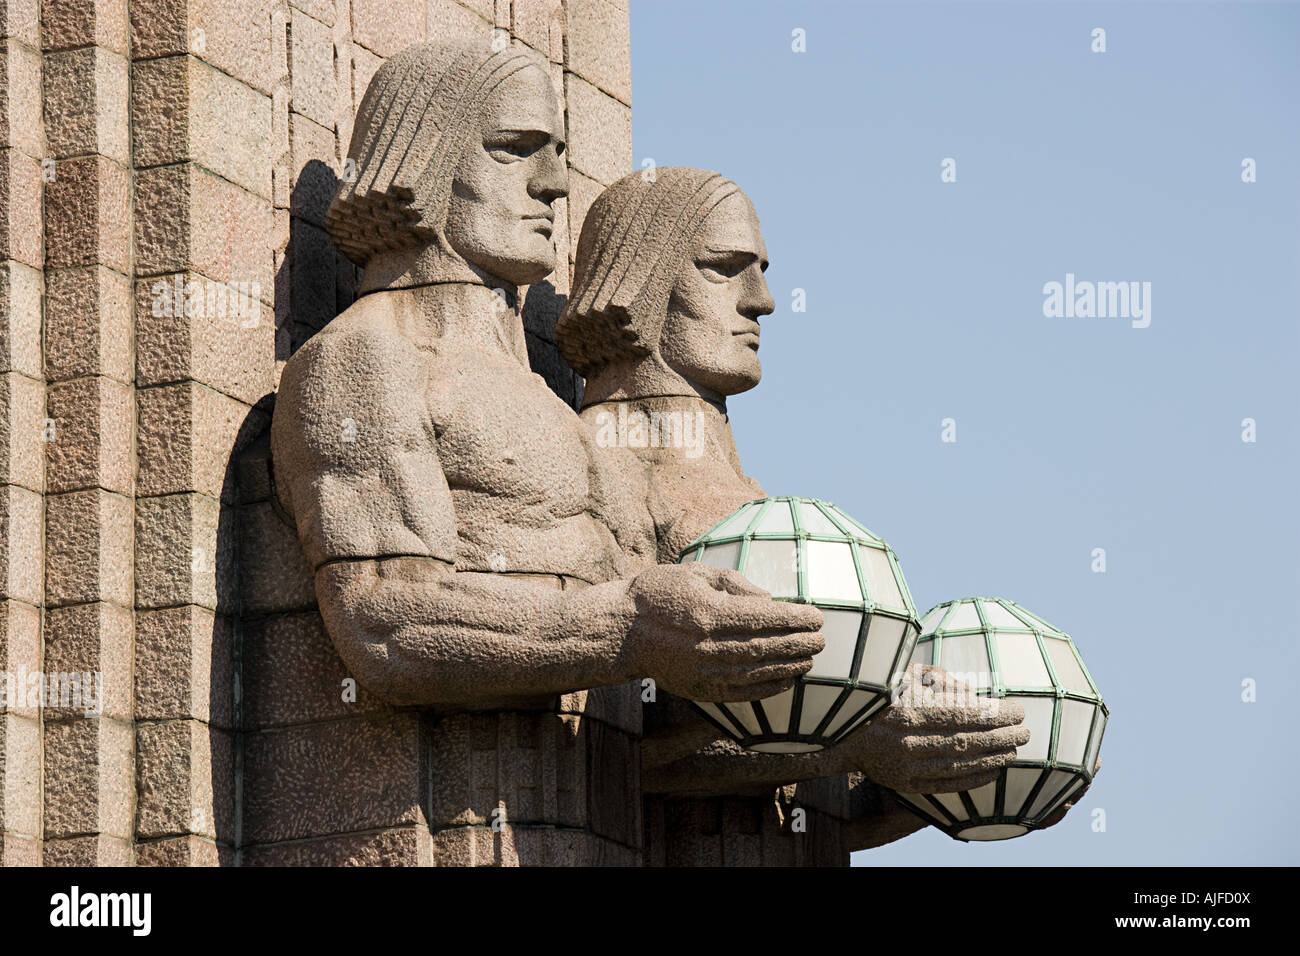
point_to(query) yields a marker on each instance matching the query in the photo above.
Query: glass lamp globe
(809, 551)
(1004, 651)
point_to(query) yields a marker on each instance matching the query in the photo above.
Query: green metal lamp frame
(857, 536)
(939, 815)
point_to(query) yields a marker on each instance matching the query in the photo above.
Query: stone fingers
(969, 743)
(968, 714)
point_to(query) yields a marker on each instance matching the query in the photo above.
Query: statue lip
(751, 333)
(543, 222)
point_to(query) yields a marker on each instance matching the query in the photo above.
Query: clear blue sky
(925, 302)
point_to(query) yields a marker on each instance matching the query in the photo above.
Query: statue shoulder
(363, 348)
(351, 395)
(354, 453)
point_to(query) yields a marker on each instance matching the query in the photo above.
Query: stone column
(88, 777)
(203, 74)
(22, 427)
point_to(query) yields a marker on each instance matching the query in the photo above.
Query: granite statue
(475, 546)
(663, 324)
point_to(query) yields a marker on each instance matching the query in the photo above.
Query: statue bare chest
(501, 431)
(518, 464)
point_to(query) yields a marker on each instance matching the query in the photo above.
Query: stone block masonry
(164, 170)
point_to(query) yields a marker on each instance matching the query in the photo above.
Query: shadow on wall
(311, 750)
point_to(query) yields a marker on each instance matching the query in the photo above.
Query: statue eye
(508, 146)
(721, 266)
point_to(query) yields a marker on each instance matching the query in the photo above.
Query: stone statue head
(668, 288)
(457, 157)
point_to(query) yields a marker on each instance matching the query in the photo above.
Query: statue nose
(756, 299)
(552, 181)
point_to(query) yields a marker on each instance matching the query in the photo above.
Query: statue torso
(687, 492)
(527, 491)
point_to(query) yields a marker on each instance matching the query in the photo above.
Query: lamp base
(785, 747)
(992, 831)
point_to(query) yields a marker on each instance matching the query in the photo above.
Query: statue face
(710, 335)
(499, 217)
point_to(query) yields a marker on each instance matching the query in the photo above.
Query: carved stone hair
(420, 110)
(633, 241)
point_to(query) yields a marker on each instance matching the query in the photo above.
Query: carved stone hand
(708, 634)
(938, 737)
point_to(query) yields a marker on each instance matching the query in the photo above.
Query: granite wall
(165, 166)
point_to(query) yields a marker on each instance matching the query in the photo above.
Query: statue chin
(746, 380)
(438, 262)
(522, 263)
(725, 381)
(527, 271)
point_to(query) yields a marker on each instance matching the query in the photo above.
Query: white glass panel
(923, 653)
(909, 641)
(855, 525)
(1020, 780)
(817, 701)
(966, 659)
(1038, 621)
(777, 519)
(998, 616)
(814, 522)
(884, 635)
(932, 619)
(840, 632)
(984, 798)
(1067, 795)
(921, 806)
(831, 572)
(716, 713)
(857, 700)
(774, 567)
(745, 715)
(1056, 782)
(871, 711)
(1038, 718)
(1095, 744)
(882, 588)
(953, 804)
(963, 618)
(1066, 665)
(1020, 662)
(737, 523)
(722, 555)
(1076, 721)
(777, 710)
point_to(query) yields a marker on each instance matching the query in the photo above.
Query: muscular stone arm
(419, 632)
(356, 463)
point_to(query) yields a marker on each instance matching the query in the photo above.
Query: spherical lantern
(804, 550)
(1003, 651)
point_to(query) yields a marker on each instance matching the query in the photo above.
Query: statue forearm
(721, 767)
(695, 760)
(417, 632)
